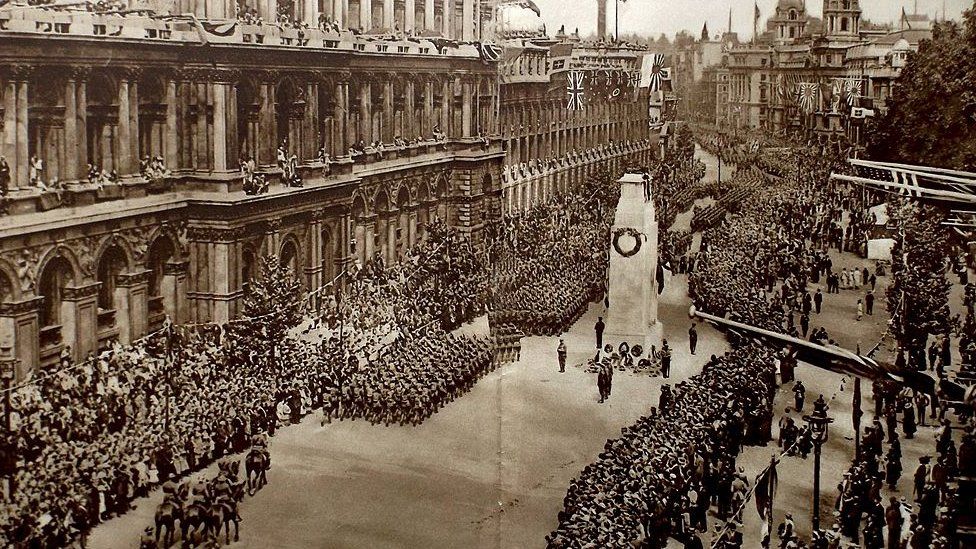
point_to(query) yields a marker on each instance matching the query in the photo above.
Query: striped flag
(806, 95)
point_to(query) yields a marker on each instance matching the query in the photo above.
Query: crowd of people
(667, 470)
(87, 440)
(549, 262)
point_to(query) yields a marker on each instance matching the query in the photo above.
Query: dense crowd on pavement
(89, 439)
(754, 267)
(660, 478)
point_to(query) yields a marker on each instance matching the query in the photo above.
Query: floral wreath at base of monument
(630, 232)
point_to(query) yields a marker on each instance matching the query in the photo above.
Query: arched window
(56, 276)
(289, 256)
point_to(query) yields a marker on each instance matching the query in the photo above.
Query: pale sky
(670, 16)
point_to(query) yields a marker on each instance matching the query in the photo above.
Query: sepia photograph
(488, 274)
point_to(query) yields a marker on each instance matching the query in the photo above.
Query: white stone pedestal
(632, 316)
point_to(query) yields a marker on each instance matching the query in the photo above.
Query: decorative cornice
(17, 308)
(130, 72)
(128, 280)
(214, 234)
(77, 293)
(175, 268)
(272, 225)
(22, 73)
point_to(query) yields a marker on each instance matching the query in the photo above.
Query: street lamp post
(817, 423)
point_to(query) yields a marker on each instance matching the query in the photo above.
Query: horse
(256, 466)
(166, 516)
(196, 520)
(222, 514)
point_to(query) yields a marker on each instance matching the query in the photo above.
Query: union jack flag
(575, 90)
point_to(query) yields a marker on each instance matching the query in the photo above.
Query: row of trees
(931, 118)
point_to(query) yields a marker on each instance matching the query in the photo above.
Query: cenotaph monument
(632, 315)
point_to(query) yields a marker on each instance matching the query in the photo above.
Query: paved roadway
(491, 469)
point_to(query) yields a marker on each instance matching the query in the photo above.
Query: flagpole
(616, 19)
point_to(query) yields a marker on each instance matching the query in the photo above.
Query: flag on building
(654, 74)
(560, 55)
(836, 95)
(807, 95)
(490, 53)
(575, 90)
(853, 89)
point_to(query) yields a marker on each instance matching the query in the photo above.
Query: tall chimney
(601, 19)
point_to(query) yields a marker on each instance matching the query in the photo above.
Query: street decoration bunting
(575, 90)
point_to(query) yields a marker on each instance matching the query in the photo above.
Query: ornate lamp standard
(817, 422)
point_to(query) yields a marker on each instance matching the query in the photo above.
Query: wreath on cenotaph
(629, 232)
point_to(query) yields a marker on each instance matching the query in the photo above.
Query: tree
(918, 298)
(272, 307)
(931, 117)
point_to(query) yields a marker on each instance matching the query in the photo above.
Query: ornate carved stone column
(448, 95)
(448, 21)
(313, 268)
(409, 15)
(365, 110)
(223, 131)
(19, 167)
(124, 140)
(341, 140)
(79, 319)
(388, 14)
(386, 134)
(19, 321)
(216, 284)
(174, 291)
(467, 98)
(266, 121)
(310, 13)
(365, 15)
(339, 9)
(467, 20)
(428, 14)
(132, 304)
(428, 104)
(171, 148)
(69, 164)
(409, 109)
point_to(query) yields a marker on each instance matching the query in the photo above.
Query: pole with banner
(856, 415)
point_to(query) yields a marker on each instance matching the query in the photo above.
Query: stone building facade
(386, 132)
